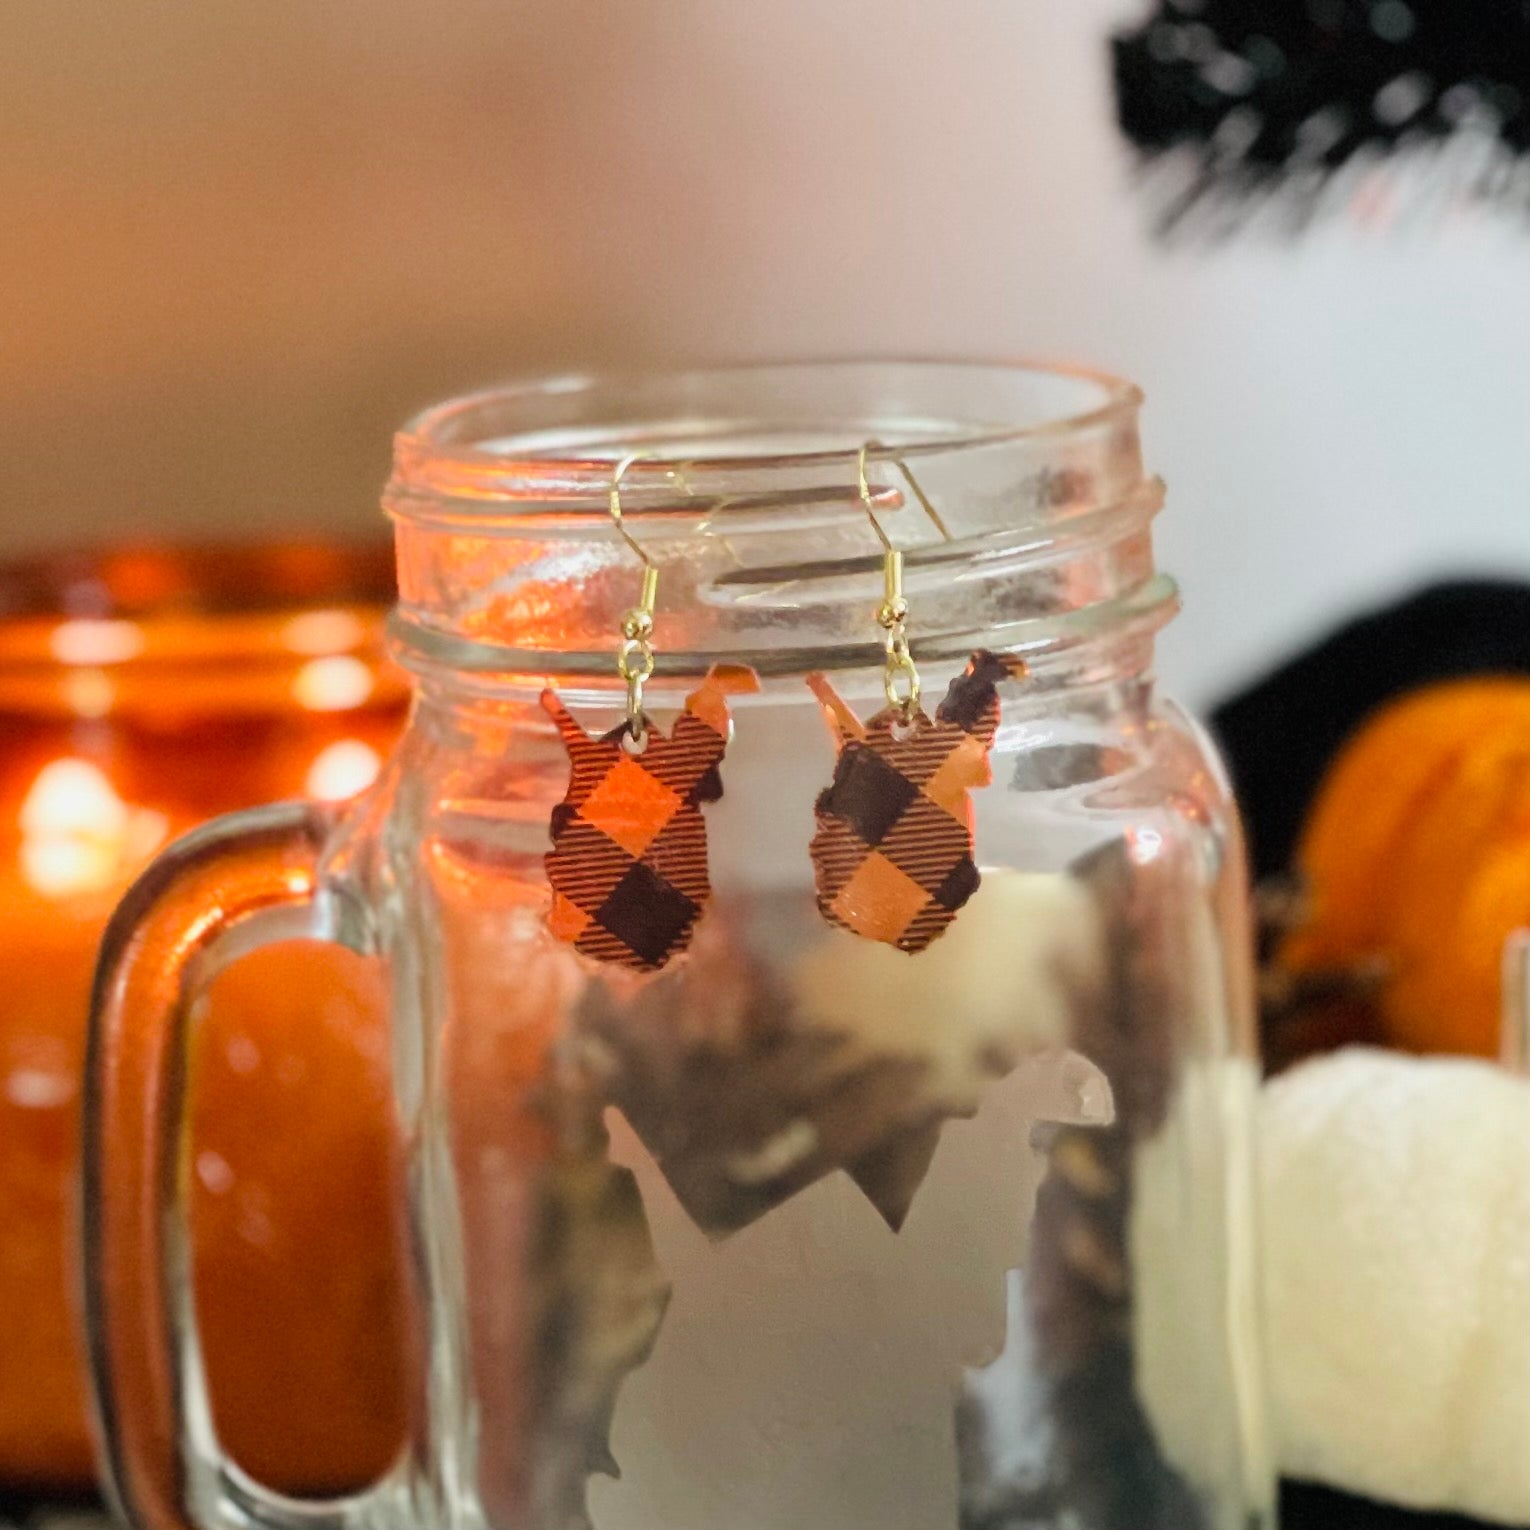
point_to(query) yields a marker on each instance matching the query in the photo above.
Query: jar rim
(479, 451)
(750, 488)
(91, 630)
(210, 582)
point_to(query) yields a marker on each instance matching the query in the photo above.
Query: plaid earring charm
(628, 864)
(893, 855)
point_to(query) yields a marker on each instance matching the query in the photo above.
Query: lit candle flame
(342, 770)
(77, 835)
(323, 632)
(84, 641)
(335, 684)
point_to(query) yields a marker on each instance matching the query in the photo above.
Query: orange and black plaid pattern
(893, 856)
(628, 864)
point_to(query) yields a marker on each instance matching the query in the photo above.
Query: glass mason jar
(800, 1232)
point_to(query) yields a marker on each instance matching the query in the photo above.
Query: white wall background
(1336, 419)
(247, 242)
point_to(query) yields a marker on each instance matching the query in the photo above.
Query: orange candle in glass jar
(140, 694)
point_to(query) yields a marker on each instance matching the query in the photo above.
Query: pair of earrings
(892, 853)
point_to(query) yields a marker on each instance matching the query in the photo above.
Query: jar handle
(238, 883)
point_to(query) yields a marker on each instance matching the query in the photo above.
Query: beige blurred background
(238, 244)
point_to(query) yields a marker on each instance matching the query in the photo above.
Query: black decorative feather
(1253, 97)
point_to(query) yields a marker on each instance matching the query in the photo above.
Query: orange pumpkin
(1417, 852)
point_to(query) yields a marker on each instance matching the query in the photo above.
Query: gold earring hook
(677, 471)
(650, 568)
(900, 677)
(634, 659)
(863, 482)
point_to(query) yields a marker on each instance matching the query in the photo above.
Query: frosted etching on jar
(808, 1367)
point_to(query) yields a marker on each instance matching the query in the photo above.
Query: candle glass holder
(142, 693)
(800, 1230)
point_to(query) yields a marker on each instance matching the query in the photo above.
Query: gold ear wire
(864, 484)
(635, 659)
(650, 568)
(892, 614)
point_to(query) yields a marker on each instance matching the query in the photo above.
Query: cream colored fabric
(1397, 1248)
